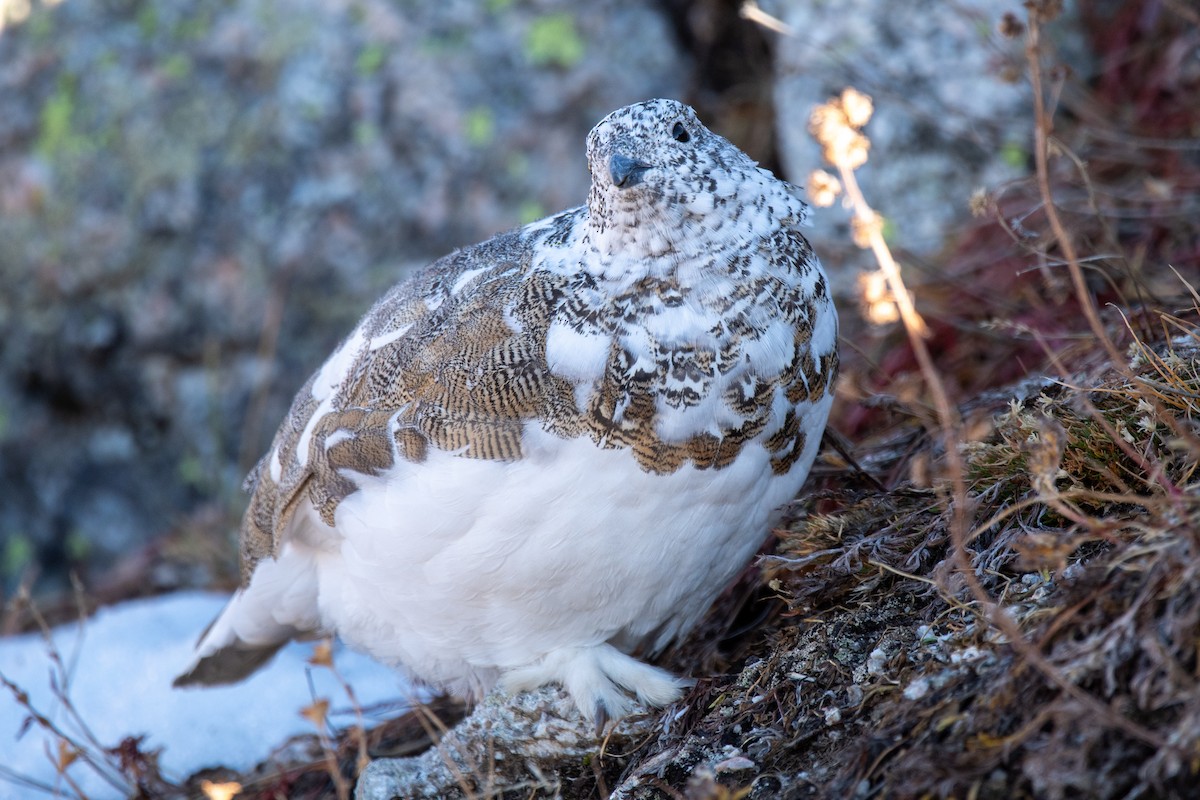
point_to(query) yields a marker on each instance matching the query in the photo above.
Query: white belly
(460, 569)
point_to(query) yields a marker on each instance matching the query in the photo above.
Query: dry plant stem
(951, 434)
(331, 766)
(17, 779)
(69, 781)
(916, 329)
(750, 10)
(958, 527)
(1083, 295)
(887, 264)
(84, 743)
(1181, 8)
(317, 713)
(360, 730)
(1130, 499)
(1041, 133)
(1154, 472)
(436, 730)
(84, 753)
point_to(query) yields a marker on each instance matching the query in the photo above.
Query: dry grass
(1094, 560)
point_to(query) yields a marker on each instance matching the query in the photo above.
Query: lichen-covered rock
(536, 740)
(198, 198)
(953, 111)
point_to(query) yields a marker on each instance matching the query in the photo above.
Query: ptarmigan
(555, 448)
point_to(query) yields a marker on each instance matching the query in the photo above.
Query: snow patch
(121, 670)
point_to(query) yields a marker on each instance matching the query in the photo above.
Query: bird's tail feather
(278, 605)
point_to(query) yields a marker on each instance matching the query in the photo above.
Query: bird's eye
(680, 133)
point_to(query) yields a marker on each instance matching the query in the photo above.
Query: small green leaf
(1014, 155)
(517, 166)
(77, 546)
(553, 40)
(370, 59)
(889, 230)
(192, 28)
(365, 133)
(56, 136)
(40, 26)
(147, 20)
(177, 67)
(480, 126)
(191, 471)
(18, 552)
(530, 211)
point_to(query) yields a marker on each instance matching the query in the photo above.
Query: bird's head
(659, 175)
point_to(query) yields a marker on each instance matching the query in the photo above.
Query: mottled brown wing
(458, 378)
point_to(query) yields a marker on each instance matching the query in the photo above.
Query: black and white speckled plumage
(548, 448)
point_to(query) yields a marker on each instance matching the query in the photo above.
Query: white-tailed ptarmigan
(555, 448)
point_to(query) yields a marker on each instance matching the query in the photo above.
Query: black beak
(625, 171)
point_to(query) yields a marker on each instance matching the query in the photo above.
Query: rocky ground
(197, 200)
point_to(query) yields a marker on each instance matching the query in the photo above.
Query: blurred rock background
(199, 198)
